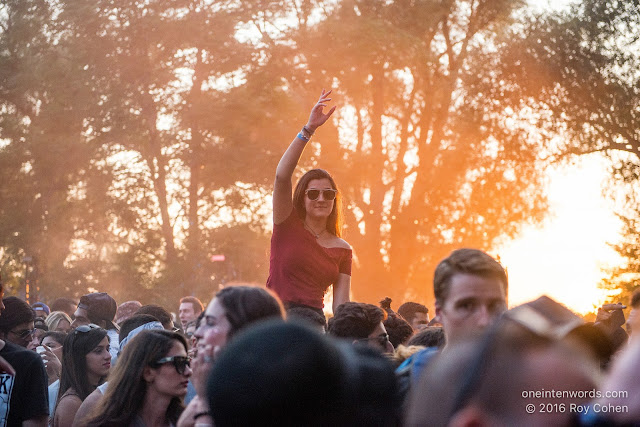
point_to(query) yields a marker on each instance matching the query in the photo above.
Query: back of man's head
(473, 262)
(100, 307)
(307, 315)
(134, 322)
(160, 313)
(289, 374)
(15, 313)
(355, 320)
(66, 305)
(398, 329)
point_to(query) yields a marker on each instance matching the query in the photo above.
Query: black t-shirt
(24, 396)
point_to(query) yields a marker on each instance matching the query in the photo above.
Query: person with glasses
(85, 364)
(17, 322)
(128, 330)
(148, 384)
(307, 254)
(362, 324)
(23, 378)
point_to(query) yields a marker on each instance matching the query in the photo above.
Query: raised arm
(282, 187)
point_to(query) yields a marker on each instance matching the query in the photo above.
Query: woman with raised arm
(307, 253)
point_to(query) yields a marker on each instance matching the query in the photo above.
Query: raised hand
(317, 117)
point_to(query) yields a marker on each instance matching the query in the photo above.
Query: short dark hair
(15, 312)
(355, 320)
(409, 309)
(431, 336)
(133, 322)
(244, 305)
(307, 315)
(398, 329)
(465, 261)
(56, 335)
(291, 374)
(100, 307)
(195, 302)
(160, 313)
(66, 305)
(635, 299)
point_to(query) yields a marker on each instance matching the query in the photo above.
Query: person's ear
(149, 374)
(437, 317)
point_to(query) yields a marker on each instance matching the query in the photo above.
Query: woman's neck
(317, 225)
(154, 409)
(94, 380)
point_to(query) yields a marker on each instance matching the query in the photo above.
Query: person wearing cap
(100, 309)
(126, 310)
(530, 367)
(42, 310)
(23, 378)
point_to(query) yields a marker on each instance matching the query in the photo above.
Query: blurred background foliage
(140, 138)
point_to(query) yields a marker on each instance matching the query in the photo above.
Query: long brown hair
(334, 222)
(74, 362)
(125, 394)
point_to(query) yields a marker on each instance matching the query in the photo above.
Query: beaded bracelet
(302, 137)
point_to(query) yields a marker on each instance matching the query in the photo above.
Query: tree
(43, 154)
(429, 147)
(582, 70)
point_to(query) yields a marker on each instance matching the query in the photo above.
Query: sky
(565, 257)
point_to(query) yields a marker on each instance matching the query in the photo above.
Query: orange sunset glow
(565, 257)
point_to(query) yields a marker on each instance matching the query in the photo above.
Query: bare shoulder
(66, 410)
(87, 407)
(341, 243)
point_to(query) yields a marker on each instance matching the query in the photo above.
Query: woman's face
(98, 362)
(166, 380)
(35, 339)
(216, 318)
(54, 346)
(63, 326)
(320, 207)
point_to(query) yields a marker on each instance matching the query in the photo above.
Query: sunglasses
(381, 339)
(86, 328)
(327, 194)
(24, 334)
(179, 362)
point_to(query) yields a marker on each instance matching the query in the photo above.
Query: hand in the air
(317, 117)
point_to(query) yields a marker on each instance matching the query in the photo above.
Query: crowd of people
(268, 355)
